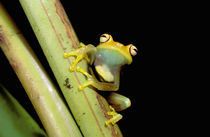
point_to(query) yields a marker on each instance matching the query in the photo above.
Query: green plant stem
(56, 36)
(43, 94)
(14, 120)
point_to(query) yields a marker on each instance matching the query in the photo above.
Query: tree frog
(108, 58)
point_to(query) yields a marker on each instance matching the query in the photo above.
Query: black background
(152, 27)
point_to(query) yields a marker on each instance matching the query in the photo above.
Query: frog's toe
(81, 87)
(66, 55)
(114, 119)
(72, 68)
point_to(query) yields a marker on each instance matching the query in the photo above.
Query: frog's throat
(124, 52)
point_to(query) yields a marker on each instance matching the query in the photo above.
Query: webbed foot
(79, 57)
(80, 53)
(116, 117)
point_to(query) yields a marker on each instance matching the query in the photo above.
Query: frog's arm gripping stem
(103, 86)
(80, 54)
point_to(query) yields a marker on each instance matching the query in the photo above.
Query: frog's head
(107, 42)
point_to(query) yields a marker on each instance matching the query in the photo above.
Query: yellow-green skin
(114, 51)
(108, 58)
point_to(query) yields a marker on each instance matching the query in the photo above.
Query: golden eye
(105, 38)
(133, 50)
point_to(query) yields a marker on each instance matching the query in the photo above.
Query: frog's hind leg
(119, 102)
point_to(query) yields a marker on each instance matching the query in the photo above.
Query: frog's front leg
(115, 99)
(92, 81)
(80, 54)
(118, 103)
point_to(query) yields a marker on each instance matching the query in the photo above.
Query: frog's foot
(80, 53)
(116, 117)
(79, 56)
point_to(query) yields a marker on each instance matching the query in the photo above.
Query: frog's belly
(105, 73)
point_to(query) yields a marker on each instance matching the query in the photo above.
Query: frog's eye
(133, 50)
(105, 38)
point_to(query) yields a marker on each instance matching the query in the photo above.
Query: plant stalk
(44, 96)
(56, 36)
